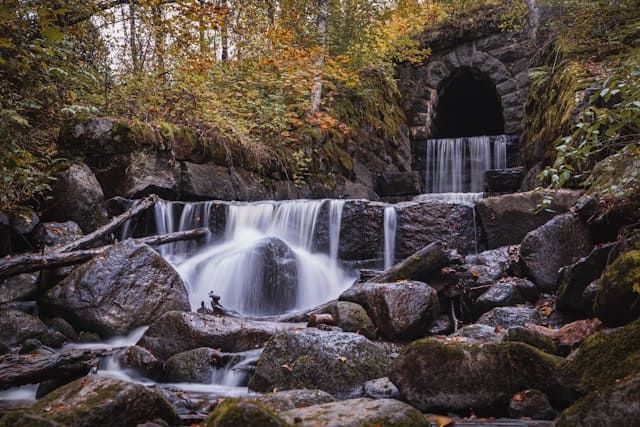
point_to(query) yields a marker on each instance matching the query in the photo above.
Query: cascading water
(390, 219)
(458, 165)
(265, 263)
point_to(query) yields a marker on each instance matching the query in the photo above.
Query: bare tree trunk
(133, 40)
(159, 38)
(316, 92)
(224, 31)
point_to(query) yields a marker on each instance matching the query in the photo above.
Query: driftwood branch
(86, 241)
(32, 262)
(418, 266)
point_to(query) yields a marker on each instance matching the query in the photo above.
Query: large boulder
(361, 230)
(176, 332)
(130, 285)
(506, 317)
(503, 180)
(398, 184)
(336, 362)
(614, 406)
(507, 219)
(17, 327)
(400, 310)
(437, 376)
(245, 413)
(98, 401)
(575, 278)
(100, 136)
(247, 185)
(421, 223)
(53, 234)
(207, 182)
(292, 399)
(76, 195)
(560, 242)
(500, 294)
(532, 404)
(192, 366)
(22, 287)
(356, 413)
(349, 317)
(618, 296)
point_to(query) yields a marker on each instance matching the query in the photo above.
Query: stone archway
(468, 105)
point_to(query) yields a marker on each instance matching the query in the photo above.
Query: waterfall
(457, 165)
(193, 215)
(389, 236)
(266, 262)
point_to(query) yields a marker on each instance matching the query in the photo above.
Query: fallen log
(22, 369)
(35, 262)
(418, 266)
(86, 241)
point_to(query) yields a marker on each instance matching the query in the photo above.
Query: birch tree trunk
(316, 93)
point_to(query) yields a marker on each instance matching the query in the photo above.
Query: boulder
(292, 399)
(356, 413)
(25, 419)
(478, 333)
(176, 332)
(507, 219)
(242, 412)
(206, 182)
(95, 400)
(381, 388)
(349, 317)
(57, 233)
(247, 186)
(618, 296)
(139, 174)
(461, 377)
(101, 136)
(570, 335)
(613, 406)
(531, 337)
(500, 294)
(130, 285)
(400, 310)
(76, 195)
(5, 235)
(575, 278)
(560, 242)
(489, 266)
(398, 184)
(140, 360)
(531, 404)
(503, 180)
(17, 327)
(23, 222)
(22, 287)
(336, 362)
(361, 231)
(506, 317)
(603, 359)
(192, 366)
(421, 223)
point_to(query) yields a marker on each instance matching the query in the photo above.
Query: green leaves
(53, 34)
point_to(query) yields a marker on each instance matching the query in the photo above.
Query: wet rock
(130, 285)
(141, 360)
(400, 310)
(493, 264)
(57, 233)
(361, 230)
(17, 327)
(617, 299)
(570, 335)
(506, 317)
(357, 412)
(532, 404)
(76, 195)
(421, 266)
(100, 136)
(398, 184)
(25, 419)
(531, 337)
(441, 325)
(559, 242)
(192, 366)
(507, 219)
(336, 362)
(503, 180)
(421, 223)
(603, 359)
(176, 332)
(30, 345)
(23, 222)
(349, 317)
(478, 333)
(381, 388)
(22, 287)
(95, 400)
(64, 327)
(247, 185)
(613, 406)
(459, 377)
(5, 235)
(501, 294)
(292, 399)
(247, 413)
(206, 182)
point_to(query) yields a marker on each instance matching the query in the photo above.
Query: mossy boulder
(604, 358)
(531, 337)
(192, 366)
(102, 136)
(618, 296)
(336, 362)
(357, 413)
(246, 413)
(24, 419)
(292, 399)
(99, 401)
(350, 317)
(438, 376)
(614, 406)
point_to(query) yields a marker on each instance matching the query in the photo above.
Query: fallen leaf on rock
(570, 334)
(439, 420)
(287, 367)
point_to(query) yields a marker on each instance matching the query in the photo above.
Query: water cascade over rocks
(390, 220)
(265, 262)
(457, 165)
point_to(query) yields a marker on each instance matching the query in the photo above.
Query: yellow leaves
(440, 420)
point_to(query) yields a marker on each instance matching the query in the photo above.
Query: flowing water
(390, 219)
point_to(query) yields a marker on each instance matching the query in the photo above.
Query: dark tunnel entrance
(468, 105)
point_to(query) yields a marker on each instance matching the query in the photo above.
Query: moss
(618, 299)
(235, 412)
(604, 358)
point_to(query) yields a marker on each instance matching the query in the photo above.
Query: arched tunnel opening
(468, 105)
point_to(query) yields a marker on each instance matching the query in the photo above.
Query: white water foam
(390, 219)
